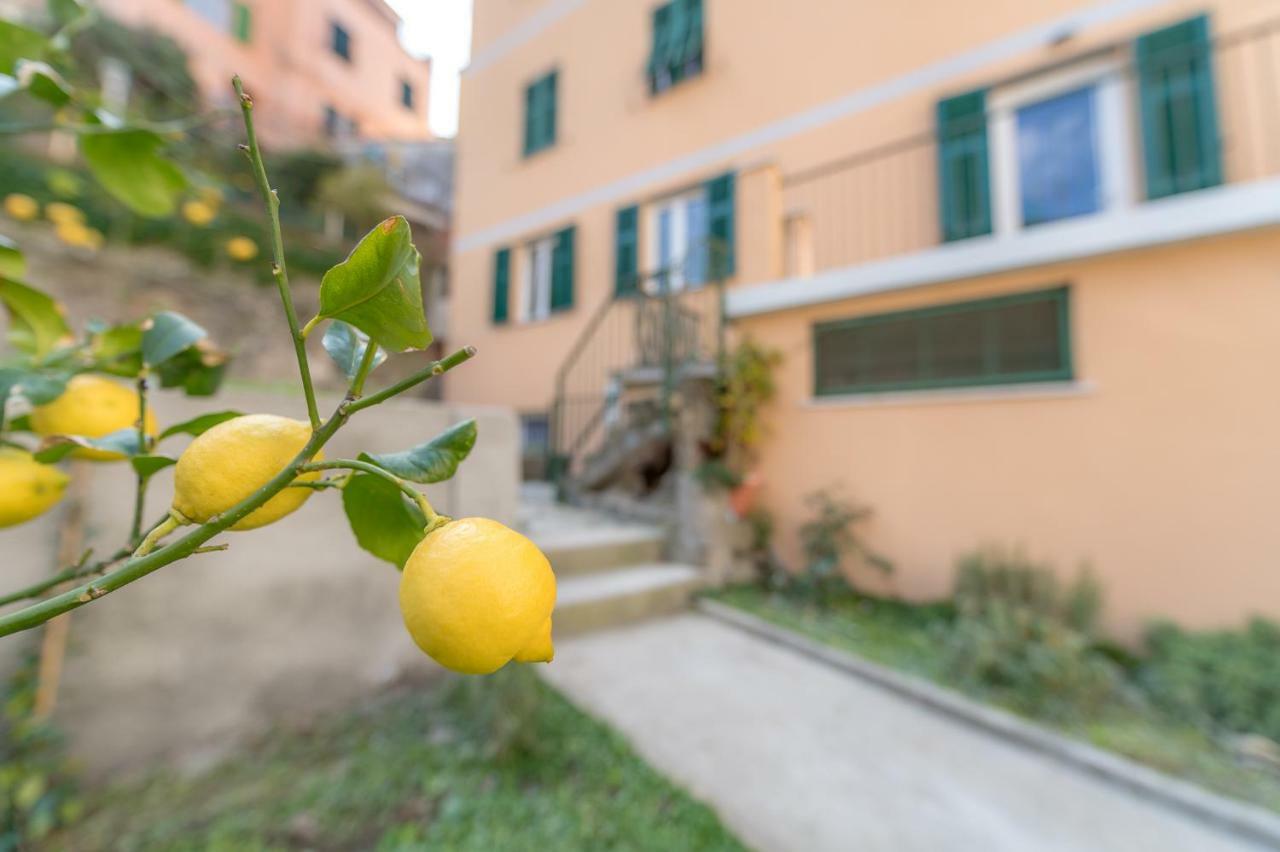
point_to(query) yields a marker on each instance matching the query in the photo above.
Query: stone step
(595, 601)
(602, 548)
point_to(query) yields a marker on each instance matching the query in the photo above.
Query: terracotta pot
(743, 498)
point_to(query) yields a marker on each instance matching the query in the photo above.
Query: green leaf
(56, 447)
(199, 425)
(43, 82)
(12, 263)
(346, 346)
(149, 466)
(37, 388)
(166, 334)
(434, 461)
(37, 324)
(377, 288)
(19, 42)
(66, 11)
(117, 349)
(128, 165)
(198, 370)
(384, 522)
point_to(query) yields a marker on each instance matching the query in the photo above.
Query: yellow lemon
(61, 213)
(93, 238)
(28, 489)
(476, 595)
(242, 249)
(198, 213)
(234, 459)
(24, 208)
(91, 406)
(73, 234)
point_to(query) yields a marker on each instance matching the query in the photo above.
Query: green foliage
(128, 164)
(37, 324)
(299, 174)
(57, 447)
(746, 387)
(199, 424)
(433, 461)
(347, 347)
(377, 288)
(828, 539)
(161, 85)
(1027, 641)
(1225, 680)
(384, 523)
(12, 262)
(17, 43)
(359, 193)
(38, 792)
(166, 334)
(417, 767)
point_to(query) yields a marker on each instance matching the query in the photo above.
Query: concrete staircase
(608, 572)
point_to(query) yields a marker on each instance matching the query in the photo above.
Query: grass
(485, 764)
(909, 638)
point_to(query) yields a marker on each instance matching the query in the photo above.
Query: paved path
(797, 756)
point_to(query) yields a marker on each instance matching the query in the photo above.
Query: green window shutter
(562, 271)
(693, 37)
(549, 109)
(720, 226)
(501, 285)
(1180, 139)
(540, 114)
(625, 252)
(242, 22)
(963, 173)
(532, 97)
(658, 53)
(677, 35)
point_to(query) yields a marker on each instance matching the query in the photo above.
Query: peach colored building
(319, 68)
(1022, 259)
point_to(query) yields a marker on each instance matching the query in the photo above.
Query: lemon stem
(366, 364)
(153, 538)
(279, 270)
(144, 446)
(431, 371)
(366, 467)
(310, 326)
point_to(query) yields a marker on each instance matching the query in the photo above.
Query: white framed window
(535, 280)
(1061, 145)
(678, 228)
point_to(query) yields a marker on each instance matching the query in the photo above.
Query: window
(216, 12)
(677, 50)
(540, 114)
(406, 94)
(1058, 158)
(340, 40)
(535, 434)
(678, 247)
(337, 125)
(1008, 339)
(546, 277)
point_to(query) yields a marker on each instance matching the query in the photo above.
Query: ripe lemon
(234, 459)
(62, 213)
(242, 249)
(91, 406)
(24, 208)
(28, 489)
(199, 213)
(476, 595)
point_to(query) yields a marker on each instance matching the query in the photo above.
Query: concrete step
(591, 550)
(594, 601)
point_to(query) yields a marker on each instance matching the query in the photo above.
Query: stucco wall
(1160, 468)
(292, 621)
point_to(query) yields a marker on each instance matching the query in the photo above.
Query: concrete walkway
(797, 756)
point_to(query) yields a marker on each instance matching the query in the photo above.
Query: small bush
(1225, 679)
(827, 539)
(1023, 638)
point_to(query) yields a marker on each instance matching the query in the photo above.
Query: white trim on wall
(1204, 213)
(930, 76)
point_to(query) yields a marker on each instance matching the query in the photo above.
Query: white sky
(440, 29)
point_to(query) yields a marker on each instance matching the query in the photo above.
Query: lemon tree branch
(144, 446)
(278, 268)
(436, 368)
(365, 467)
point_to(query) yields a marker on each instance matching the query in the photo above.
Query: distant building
(1020, 259)
(321, 69)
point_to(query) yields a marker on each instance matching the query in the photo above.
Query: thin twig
(278, 268)
(435, 369)
(144, 446)
(365, 467)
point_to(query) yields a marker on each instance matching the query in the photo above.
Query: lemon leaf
(117, 349)
(43, 82)
(56, 447)
(128, 165)
(385, 524)
(19, 42)
(434, 461)
(199, 425)
(36, 322)
(198, 370)
(166, 334)
(346, 346)
(36, 387)
(149, 466)
(12, 263)
(66, 11)
(378, 290)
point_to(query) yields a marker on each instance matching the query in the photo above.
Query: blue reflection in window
(1057, 158)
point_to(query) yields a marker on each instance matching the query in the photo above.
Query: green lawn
(907, 637)
(486, 764)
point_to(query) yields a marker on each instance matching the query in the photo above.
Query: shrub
(1023, 638)
(1224, 679)
(827, 540)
